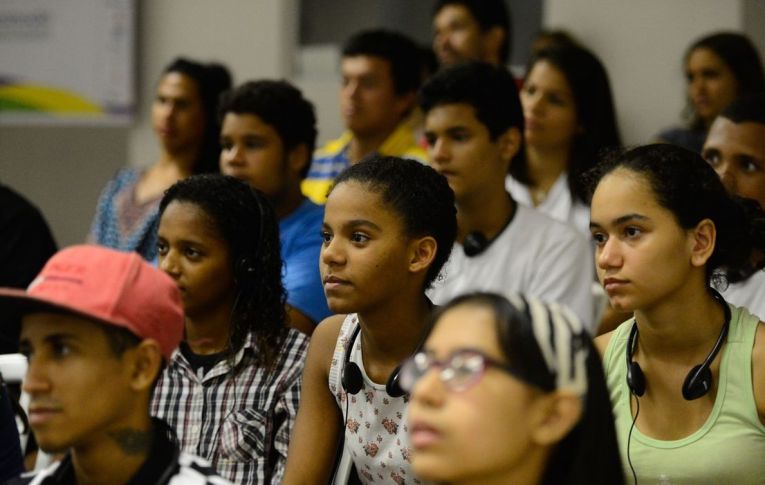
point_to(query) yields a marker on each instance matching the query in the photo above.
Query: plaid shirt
(241, 423)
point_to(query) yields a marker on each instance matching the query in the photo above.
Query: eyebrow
(354, 223)
(622, 219)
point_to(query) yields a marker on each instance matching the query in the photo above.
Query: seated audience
(686, 374)
(183, 118)
(735, 148)
(381, 72)
(475, 30)
(518, 396)
(25, 246)
(474, 129)
(569, 118)
(98, 326)
(268, 132)
(231, 391)
(718, 68)
(388, 227)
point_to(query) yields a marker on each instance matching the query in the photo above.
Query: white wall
(642, 44)
(62, 169)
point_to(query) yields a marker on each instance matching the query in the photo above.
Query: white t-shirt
(749, 294)
(559, 204)
(534, 255)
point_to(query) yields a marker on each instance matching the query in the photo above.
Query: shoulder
(601, 342)
(758, 370)
(333, 147)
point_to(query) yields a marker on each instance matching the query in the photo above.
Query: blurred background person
(718, 68)
(183, 118)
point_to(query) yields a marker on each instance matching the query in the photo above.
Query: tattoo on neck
(132, 441)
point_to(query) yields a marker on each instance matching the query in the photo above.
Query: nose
(169, 264)
(429, 389)
(331, 253)
(532, 103)
(439, 151)
(233, 154)
(726, 176)
(608, 255)
(35, 380)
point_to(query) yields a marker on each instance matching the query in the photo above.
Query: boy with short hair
(97, 326)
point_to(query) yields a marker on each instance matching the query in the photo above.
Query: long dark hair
(212, 80)
(595, 112)
(589, 453)
(690, 189)
(246, 223)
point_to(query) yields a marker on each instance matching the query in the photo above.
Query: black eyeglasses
(459, 372)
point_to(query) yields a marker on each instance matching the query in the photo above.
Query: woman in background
(569, 117)
(183, 118)
(718, 68)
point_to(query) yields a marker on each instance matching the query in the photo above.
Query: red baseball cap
(108, 287)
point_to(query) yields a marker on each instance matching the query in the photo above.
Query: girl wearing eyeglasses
(389, 225)
(509, 391)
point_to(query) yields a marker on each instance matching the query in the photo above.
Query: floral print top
(376, 429)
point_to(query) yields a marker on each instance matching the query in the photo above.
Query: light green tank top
(728, 449)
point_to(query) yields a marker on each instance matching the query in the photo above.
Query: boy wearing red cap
(97, 325)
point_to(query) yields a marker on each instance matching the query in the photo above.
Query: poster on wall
(67, 61)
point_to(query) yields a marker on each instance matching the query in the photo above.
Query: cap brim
(20, 303)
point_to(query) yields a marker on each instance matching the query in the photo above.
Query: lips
(614, 284)
(39, 415)
(423, 435)
(333, 282)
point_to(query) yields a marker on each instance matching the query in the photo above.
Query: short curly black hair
(280, 105)
(420, 197)
(246, 223)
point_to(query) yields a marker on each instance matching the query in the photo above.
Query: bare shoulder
(324, 339)
(758, 370)
(602, 341)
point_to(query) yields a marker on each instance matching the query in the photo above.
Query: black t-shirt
(197, 361)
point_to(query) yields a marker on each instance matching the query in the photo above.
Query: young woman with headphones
(231, 391)
(388, 228)
(686, 374)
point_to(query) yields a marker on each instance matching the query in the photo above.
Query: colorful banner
(67, 61)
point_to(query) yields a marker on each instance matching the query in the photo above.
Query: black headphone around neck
(353, 381)
(698, 382)
(476, 242)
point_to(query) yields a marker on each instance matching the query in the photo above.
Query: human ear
(560, 411)
(404, 103)
(421, 254)
(297, 158)
(702, 242)
(510, 143)
(146, 362)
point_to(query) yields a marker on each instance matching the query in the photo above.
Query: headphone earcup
(351, 379)
(636, 379)
(474, 244)
(697, 383)
(392, 387)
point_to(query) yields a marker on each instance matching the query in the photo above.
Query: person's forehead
(38, 325)
(747, 136)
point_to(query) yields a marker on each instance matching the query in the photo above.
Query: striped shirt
(165, 465)
(241, 421)
(332, 159)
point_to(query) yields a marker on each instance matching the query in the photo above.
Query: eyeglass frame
(410, 366)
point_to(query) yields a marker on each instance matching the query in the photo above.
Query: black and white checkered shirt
(240, 421)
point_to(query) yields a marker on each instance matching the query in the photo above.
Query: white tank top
(376, 428)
